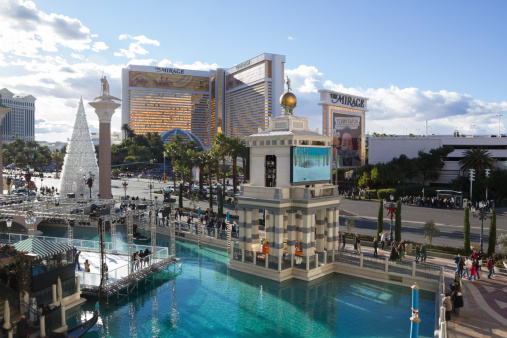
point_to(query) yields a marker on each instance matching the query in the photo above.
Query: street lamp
(391, 212)
(125, 184)
(151, 186)
(89, 181)
(481, 214)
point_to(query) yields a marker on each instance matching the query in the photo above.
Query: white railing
(89, 279)
(93, 246)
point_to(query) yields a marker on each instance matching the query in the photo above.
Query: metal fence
(69, 287)
(44, 297)
(53, 320)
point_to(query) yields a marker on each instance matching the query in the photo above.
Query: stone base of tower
(300, 233)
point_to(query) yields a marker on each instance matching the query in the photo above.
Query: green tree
(210, 197)
(397, 222)
(236, 149)
(220, 202)
(430, 164)
(180, 196)
(172, 150)
(477, 159)
(374, 177)
(129, 133)
(350, 224)
(380, 218)
(492, 233)
(221, 144)
(502, 243)
(466, 232)
(430, 231)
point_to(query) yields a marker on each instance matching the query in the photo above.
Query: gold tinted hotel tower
(236, 101)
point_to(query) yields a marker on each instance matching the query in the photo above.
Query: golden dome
(288, 99)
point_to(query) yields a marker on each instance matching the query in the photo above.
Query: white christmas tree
(80, 160)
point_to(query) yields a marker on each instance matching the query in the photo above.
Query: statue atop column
(288, 84)
(105, 91)
(105, 86)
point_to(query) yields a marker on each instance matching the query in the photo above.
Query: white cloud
(25, 30)
(291, 38)
(98, 46)
(397, 110)
(197, 65)
(77, 56)
(135, 47)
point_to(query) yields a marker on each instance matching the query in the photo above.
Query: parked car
(229, 192)
(169, 189)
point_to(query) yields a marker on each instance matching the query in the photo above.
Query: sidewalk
(487, 299)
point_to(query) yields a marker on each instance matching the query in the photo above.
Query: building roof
(169, 135)
(287, 133)
(41, 248)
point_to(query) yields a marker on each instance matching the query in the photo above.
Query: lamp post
(125, 184)
(481, 214)
(164, 167)
(8, 221)
(391, 212)
(499, 116)
(89, 181)
(151, 186)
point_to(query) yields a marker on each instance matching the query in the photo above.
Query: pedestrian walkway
(487, 299)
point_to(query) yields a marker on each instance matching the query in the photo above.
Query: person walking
(423, 253)
(357, 244)
(473, 273)
(383, 240)
(375, 247)
(468, 264)
(76, 261)
(456, 260)
(461, 266)
(87, 266)
(477, 268)
(417, 253)
(446, 302)
(344, 239)
(490, 267)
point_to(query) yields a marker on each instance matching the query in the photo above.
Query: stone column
(330, 229)
(255, 226)
(320, 230)
(307, 233)
(336, 227)
(105, 110)
(291, 232)
(277, 241)
(241, 228)
(248, 229)
(3, 112)
(266, 225)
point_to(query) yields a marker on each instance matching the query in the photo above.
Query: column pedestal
(105, 110)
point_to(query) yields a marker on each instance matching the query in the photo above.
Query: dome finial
(288, 100)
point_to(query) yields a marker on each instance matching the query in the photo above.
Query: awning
(42, 248)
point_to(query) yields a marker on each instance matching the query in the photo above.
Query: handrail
(13, 297)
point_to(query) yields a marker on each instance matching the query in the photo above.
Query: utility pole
(472, 178)
(499, 116)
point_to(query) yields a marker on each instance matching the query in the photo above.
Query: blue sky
(441, 61)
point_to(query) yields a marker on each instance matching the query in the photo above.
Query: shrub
(385, 193)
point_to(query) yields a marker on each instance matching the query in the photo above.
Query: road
(449, 222)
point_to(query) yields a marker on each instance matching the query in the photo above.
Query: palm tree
(237, 149)
(172, 150)
(478, 159)
(200, 162)
(212, 158)
(129, 133)
(221, 143)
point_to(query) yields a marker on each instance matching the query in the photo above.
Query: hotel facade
(236, 101)
(20, 121)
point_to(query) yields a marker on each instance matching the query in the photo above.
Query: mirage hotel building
(236, 101)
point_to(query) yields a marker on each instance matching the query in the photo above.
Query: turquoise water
(208, 299)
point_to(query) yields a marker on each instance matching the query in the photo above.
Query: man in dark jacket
(22, 328)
